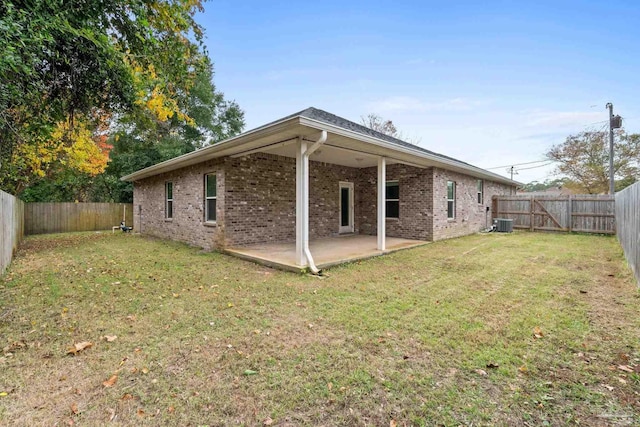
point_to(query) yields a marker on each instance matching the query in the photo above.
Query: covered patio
(327, 252)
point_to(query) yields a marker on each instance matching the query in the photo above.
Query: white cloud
(564, 119)
(407, 103)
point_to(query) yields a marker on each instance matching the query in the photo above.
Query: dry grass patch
(521, 329)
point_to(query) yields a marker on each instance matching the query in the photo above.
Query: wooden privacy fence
(628, 219)
(11, 228)
(40, 218)
(582, 213)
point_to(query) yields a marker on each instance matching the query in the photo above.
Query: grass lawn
(521, 330)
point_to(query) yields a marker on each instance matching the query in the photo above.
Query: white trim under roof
(254, 140)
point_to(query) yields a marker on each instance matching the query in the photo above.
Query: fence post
(570, 212)
(533, 210)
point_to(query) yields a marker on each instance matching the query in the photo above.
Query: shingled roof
(332, 119)
(323, 119)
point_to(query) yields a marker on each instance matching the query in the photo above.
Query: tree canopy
(81, 80)
(584, 159)
(547, 184)
(385, 126)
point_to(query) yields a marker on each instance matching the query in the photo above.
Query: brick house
(309, 176)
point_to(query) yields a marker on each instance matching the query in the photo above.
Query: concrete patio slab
(327, 252)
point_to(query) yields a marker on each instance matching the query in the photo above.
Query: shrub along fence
(11, 228)
(41, 218)
(583, 213)
(628, 219)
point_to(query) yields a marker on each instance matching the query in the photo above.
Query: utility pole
(615, 122)
(511, 189)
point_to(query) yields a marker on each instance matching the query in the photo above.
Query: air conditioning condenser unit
(503, 225)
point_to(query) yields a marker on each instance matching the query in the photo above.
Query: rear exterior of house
(255, 202)
(252, 196)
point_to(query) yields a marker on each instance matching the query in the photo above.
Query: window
(210, 197)
(168, 207)
(451, 199)
(480, 189)
(392, 197)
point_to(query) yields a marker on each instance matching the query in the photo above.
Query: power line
(535, 167)
(596, 123)
(518, 164)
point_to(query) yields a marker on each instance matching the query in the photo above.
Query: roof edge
(210, 151)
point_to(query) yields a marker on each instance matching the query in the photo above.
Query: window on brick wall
(168, 206)
(392, 199)
(480, 190)
(211, 196)
(451, 199)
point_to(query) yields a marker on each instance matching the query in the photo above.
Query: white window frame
(451, 200)
(168, 201)
(207, 198)
(480, 191)
(396, 182)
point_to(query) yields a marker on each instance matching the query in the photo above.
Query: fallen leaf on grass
(78, 347)
(126, 396)
(523, 369)
(74, 409)
(171, 409)
(111, 381)
(250, 372)
(140, 412)
(622, 380)
(132, 317)
(537, 332)
(110, 338)
(481, 372)
(393, 423)
(625, 368)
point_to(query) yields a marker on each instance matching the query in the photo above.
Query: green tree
(584, 159)
(61, 59)
(142, 139)
(541, 186)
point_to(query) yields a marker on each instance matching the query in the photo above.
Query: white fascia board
(223, 148)
(443, 162)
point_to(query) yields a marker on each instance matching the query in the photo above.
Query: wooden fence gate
(580, 213)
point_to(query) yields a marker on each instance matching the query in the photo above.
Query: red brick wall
(260, 199)
(415, 186)
(470, 217)
(188, 223)
(256, 202)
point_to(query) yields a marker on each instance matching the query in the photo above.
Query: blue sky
(490, 83)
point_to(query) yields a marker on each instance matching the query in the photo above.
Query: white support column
(302, 202)
(382, 214)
